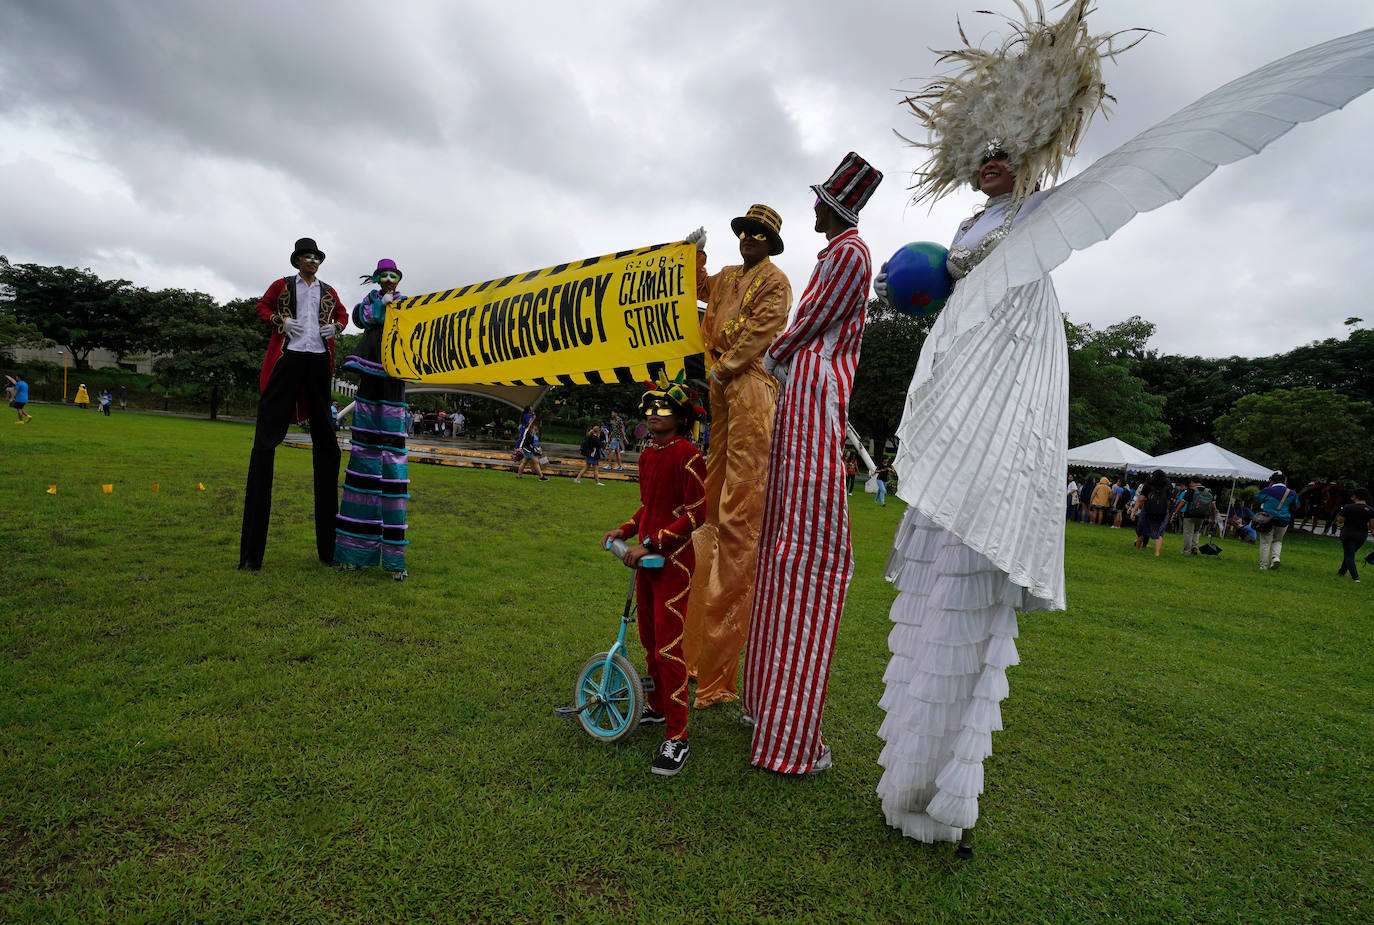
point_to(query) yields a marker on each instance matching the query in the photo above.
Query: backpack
(1201, 504)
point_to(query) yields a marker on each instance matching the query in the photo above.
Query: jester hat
(674, 393)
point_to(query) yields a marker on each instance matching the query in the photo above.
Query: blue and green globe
(917, 281)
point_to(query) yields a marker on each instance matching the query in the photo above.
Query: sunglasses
(659, 411)
(309, 258)
(746, 236)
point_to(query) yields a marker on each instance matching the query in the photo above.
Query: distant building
(98, 359)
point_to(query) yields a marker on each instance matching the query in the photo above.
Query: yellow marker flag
(108, 489)
(623, 317)
(52, 490)
(200, 485)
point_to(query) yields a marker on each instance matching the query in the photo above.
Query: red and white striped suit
(805, 560)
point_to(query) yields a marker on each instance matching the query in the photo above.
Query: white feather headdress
(1030, 99)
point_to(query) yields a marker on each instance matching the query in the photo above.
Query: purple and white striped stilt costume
(371, 525)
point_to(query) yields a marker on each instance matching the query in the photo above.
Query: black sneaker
(650, 718)
(1274, 564)
(672, 755)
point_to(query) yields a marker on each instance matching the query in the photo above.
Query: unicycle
(608, 698)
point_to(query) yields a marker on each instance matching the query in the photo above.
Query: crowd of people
(1157, 504)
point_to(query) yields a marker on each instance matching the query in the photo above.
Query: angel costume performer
(371, 525)
(988, 404)
(804, 540)
(746, 308)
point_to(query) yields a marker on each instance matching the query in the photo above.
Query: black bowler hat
(305, 246)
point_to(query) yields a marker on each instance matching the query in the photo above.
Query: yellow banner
(620, 318)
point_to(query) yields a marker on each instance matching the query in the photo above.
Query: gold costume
(745, 311)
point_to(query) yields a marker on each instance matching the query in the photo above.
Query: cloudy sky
(189, 143)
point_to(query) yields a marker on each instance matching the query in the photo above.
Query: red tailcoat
(277, 304)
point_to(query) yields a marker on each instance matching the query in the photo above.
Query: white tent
(1208, 460)
(1109, 453)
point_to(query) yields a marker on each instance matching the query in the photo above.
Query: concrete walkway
(564, 459)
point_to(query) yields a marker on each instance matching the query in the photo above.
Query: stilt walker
(988, 404)
(746, 309)
(371, 526)
(804, 552)
(305, 315)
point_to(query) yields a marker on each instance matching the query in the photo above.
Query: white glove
(391, 297)
(880, 284)
(698, 238)
(293, 328)
(776, 369)
(327, 331)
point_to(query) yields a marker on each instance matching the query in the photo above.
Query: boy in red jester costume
(672, 491)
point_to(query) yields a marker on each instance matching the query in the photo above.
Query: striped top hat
(849, 187)
(761, 220)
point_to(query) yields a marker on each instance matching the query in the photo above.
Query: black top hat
(305, 246)
(761, 220)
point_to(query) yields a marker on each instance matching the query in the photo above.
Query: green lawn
(1191, 741)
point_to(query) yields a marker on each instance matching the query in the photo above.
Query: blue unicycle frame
(610, 694)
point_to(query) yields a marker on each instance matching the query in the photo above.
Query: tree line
(1309, 410)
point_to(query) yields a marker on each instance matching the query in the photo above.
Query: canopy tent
(1208, 461)
(1109, 453)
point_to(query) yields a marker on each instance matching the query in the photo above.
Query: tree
(213, 349)
(887, 359)
(76, 309)
(1319, 433)
(1105, 398)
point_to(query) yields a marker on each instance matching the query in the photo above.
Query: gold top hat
(761, 220)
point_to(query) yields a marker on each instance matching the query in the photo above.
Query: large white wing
(1162, 163)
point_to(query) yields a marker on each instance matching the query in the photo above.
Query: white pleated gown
(981, 465)
(983, 438)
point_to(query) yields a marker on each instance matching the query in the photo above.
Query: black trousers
(1350, 545)
(294, 373)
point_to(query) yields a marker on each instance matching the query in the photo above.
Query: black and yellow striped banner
(624, 317)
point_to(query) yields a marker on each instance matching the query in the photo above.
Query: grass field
(1191, 741)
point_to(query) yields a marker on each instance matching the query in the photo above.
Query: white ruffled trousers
(952, 641)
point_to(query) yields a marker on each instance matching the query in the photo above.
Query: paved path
(564, 460)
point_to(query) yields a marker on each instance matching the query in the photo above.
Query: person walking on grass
(105, 401)
(83, 398)
(20, 399)
(591, 454)
(1355, 518)
(618, 441)
(1152, 511)
(1280, 503)
(123, 398)
(1197, 506)
(530, 450)
(672, 495)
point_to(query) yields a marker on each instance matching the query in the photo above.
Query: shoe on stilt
(824, 763)
(402, 575)
(652, 718)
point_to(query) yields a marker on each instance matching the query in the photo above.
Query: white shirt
(303, 335)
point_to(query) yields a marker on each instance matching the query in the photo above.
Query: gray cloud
(189, 144)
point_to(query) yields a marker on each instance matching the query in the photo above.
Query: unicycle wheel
(612, 695)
